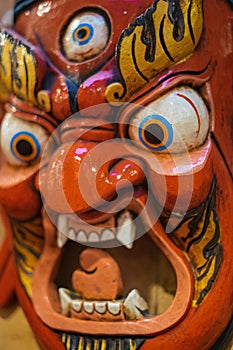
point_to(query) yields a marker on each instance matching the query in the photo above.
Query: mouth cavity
(141, 282)
(134, 286)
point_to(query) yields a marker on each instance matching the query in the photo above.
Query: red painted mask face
(116, 172)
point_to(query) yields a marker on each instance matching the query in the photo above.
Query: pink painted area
(80, 150)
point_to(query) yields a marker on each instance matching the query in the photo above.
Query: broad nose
(82, 176)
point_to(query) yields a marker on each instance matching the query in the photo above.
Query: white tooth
(62, 228)
(93, 237)
(77, 305)
(81, 237)
(114, 308)
(100, 307)
(135, 306)
(107, 235)
(61, 239)
(88, 306)
(65, 300)
(126, 230)
(71, 234)
(62, 223)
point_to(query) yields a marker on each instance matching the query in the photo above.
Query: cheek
(183, 192)
(18, 195)
(21, 202)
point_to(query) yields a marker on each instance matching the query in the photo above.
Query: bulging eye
(21, 141)
(175, 123)
(85, 36)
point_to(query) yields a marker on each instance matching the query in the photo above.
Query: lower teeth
(133, 307)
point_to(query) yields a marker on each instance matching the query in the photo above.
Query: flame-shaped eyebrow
(165, 34)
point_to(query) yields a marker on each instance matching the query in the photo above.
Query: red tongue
(100, 277)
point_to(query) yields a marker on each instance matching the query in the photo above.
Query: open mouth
(142, 283)
(100, 284)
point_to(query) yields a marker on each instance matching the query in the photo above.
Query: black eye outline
(30, 140)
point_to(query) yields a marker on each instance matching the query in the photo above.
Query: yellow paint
(68, 347)
(132, 346)
(96, 344)
(44, 100)
(135, 70)
(88, 346)
(20, 81)
(104, 345)
(81, 343)
(5, 67)
(3, 93)
(63, 338)
(28, 244)
(196, 252)
(18, 72)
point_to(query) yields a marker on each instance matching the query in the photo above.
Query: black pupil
(82, 33)
(24, 148)
(154, 134)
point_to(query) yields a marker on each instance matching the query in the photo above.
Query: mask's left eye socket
(85, 36)
(21, 141)
(175, 123)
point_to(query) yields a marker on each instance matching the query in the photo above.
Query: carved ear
(165, 34)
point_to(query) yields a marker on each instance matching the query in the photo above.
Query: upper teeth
(124, 232)
(61, 225)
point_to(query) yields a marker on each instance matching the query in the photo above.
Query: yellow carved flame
(156, 40)
(19, 72)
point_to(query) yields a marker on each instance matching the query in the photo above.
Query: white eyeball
(175, 123)
(85, 36)
(21, 141)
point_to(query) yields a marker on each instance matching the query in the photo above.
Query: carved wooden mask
(116, 172)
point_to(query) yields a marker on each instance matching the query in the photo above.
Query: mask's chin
(157, 284)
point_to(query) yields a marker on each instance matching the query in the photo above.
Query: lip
(47, 304)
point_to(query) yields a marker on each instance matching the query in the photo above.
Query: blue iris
(25, 146)
(83, 34)
(155, 130)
